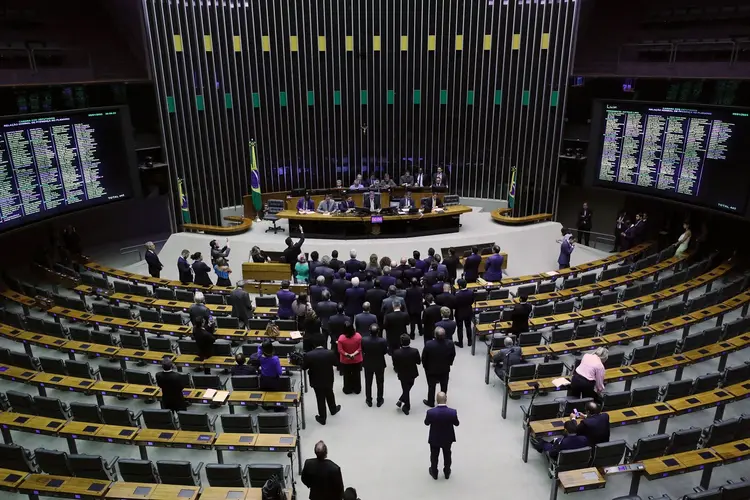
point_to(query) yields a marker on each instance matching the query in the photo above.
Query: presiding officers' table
(349, 226)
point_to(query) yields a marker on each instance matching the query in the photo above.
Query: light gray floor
(384, 454)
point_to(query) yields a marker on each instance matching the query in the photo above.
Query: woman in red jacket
(350, 353)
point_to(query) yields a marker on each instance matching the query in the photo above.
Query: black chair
(258, 474)
(541, 411)
(609, 298)
(546, 287)
(132, 341)
(150, 315)
(86, 412)
(187, 346)
(571, 283)
(196, 422)
(209, 382)
(164, 293)
(561, 335)
(53, 365)
(737, 327)
(574, 404)
(51, 408)
(615, 360)
(139, 377)
(676, 310)
(608, 274)
(712, 335)
(138, 471)
(550, 369)
(214, 298)
(736, 374)
(683, 440)
(489, 316)
(608, 454)
(23, 360)
(615, 400)
(227, 475)
(274, 423)
(676, 390)
(245, 383)
(184, 295)
(118, 415)
(525, 290)
(112, 374)
(121, 286)
(720, 432)
(160, 419)
(53, 462)
(634, 321)
(644, 395)
(79, 333)
(102, 309)
(172, 318)
(223, 348)
(273, 207)
(237, 424)
(649, 447)
(93, 467)
(500, 293)
(34, 324)
(565, 306)
(588, 278)
(15, 457)
(664, 349)
(692, 342)
(21, 402)
(631, 292)
(614, 325)
(570, 460)
(524, 371)
(623, 270)
(141, 290)
(121, 312)
(228, 322)
(586, 330)
(642, 353)
(590, 302)
(543, 310)
(707, 382)
(160, 344)
(53, 329)
(658, 314)
(259, 323)
(736, 491)
(268, 301)
(104, 338)
(179, 472)
(528, 339)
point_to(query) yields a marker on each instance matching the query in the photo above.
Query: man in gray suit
(328, 206)
(242, 306)
(387, 306)
(406, 179)
(363, 320)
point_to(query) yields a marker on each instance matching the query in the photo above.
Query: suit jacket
(442, 181)
(154, 264)
(305, 205)
(430, 317)
(406, 179)
(315, 293)
(438, 356)
(346, 205)
(319, 364)
(442, 421)
(402, 203)
(566, 248)
(395, 323)
(387, 281)
(414, 301)
(352, 266)
(335, 264)
(405, 361)
(422, 265)
(337, 323)
(427, 203)
(449, 326)
(242, 306)
(520, 318)
(446, 300)
(375, 202)
(567, 443)
(325, 310)
(584, 219)
(285, 298)
(494, 268)
(451, 264)
(420, 179)
(595, 428)
(463, 302)
(375, 297)
(201, 271)
(374, 350)
(328, 206)
(338, 289)
(171, 384)
(471, 267)
(430, 278)
(327, 273)
(292, 252)
(183, 268)
(362, 323)
(323, 477)
(387, 306)
(354, 297)
(411, 273)
(199, 311)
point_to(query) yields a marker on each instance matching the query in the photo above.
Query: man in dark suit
(395, 324)
(413, 272)
(405, 361)
(325, 271)
(171, 384)
(444, 296)
(322, 476)
(451, 264)
(313, 264)
(431, 203)
(471, 265)
(154, 264)
(431, 276)
(446, 323)
(337, 325)
(242, 306)
(420, 264)
(199, 309)
(520, 316)
(464, 312)
(569, 441)
(430, 317)
(406, 202)
(437, 357)
(372, 201)
(240, 368)
(335, 263)
(374, 350)
(339, 286)
(325, 309)
(375, 296)
(363, 320)
(319, 364)
(439, 179)
(354, 297)
(584, 224)
(442, 421)
(292, 250)
(391, 300)
(595, 427)
(316, 290)
(414, 304)
(631, 234)
(306, 203)
(387, 281)
(352, 265)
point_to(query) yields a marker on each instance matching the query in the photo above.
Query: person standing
(242, 306)
(203, 335)
(217, 252)
(471, 265)
(319, 364)
(183, 268)
(430, 317)
(350, 356)
(621, 224)
(374, 350)
(439, 179)
(442, 422)
(292, 250)
(395, 324)
(199, 309)
(316, 290)
(201, 270)
(494, 266)
(325, 309)
(419, 179)
(354, 297)
(322, 476)
(567, 245)
(519, 317)
(285, 298)
(447, 324)
(363, 320)
(451, 264)
(437, 357)
(171, 384)
(464, 312)
(222, 270)
(154, 264)
(584, 224)
(414, 306)
(405, 361)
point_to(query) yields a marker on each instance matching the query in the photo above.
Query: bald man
(441, 421)
(322, 476)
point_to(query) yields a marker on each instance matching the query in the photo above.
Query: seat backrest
(227, 322)
(546, 287)
(184, 295)
(273, 423)
(614, 325)
(692, 341)
(121, 286)
(643, 353)
(588, 278)
(53, 462)
(105, 338)
(650, 447)
(121, 312)
(608, 274)
(736, 374)
(15, 457)
(222, 348)
(721, 432)
(590, 302)
(615, 360)
(269, 301)
(171, 318)
(79, 333)
(53, 329)
(86, 412)
(683, 440)
(608, 298)
(141, 290)
(138, 471)
(53, 365)
(499, 293)
(22, 360)
(573, 459)
(706, 382)
(624, 270)
(608, 454)
(644, 395)
(523, 371)
(550, 369)
(666, 348)
(736, 491)
(245, 383)
(102, 309)
(139, 377)
(678, 389)
(543, 410)
(21, 402)
(131, 340)
(258, 474)
(159, 419)
(118, 415)
(50, 408)
(586, 330)
(574, 404)
(527, 339)
(571, 283)
(737, 327)
(159, 344)
(237, 424)
(562, 334)
(564, 306)
(111, 373)
(187, 346)
(712, 335)
(489, 316)
(149, 315)
(194, 421)
(226, 475)
(543, 310)
(164, 293)
(658, 314)
(214, 298)
(206, 381)
(526, 290)
(91, 466)
(177, 472)
(631, 292)
(615, 400)
(634, 320)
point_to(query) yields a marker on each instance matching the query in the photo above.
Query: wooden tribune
(265, 271)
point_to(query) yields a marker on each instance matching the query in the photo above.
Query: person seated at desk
(339, 184)
(346, 205)
(306, 203)
(407, 179)
(595, 426)
(372, 201)
(506, 357)
(406, 202)
(494, 266)
(241, 367)
(432, 203)
(328, 206)
(387, 182)
(569, 441)
(373, 182)
(357, 184)
(439, 179)
(270, 367)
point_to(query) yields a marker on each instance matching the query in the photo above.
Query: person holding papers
(328, 206)
(406, 202)
(346, 205)
(306, 204)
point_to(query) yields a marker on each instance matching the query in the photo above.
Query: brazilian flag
(512, 189)
(255, 178)
(183, 203)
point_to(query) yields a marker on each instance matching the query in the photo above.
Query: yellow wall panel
(404, 42)
(265, 42)
(545, 41)
(487, 42)
(177, 43)
(376, 42)
(293, 43)
(349, 43)
(431, 42)
(237, 41)
(208, 43)
(516, 41)
(459, 42)
(321, 43)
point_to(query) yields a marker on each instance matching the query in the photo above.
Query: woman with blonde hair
(301, 269)
(588, 379)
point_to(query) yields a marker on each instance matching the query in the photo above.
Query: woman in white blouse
(684, 240)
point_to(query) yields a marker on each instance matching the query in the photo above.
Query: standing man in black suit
(584, 224)
(292, 250)
(430, 317)
(352, 265)
(319, 364)
(442, 421)
(316, 290)
(242, 306)
(325, 309)
(520, 317)
(437, 357)
(322, 476)
(339, 286)
(414, 305)
(375, 297)
(464, 312)
(171, 384)
(395, 323)
(451, 263)
(446, 323)
(471, 265)
(405, 361)
(337, 326)
(335, 263)
(374, 350)
(154, 264)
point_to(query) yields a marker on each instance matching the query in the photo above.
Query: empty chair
(488, 316)
(529, 339)
(631, 292)
(634, 321)
(149, 315)
(132, 341)
(736, 491)
(51, 408)
(590, 302)
(721, 432)
(104, 338)
(195, 421)
(160, 419)
(541, 411)
(506, 315)
(676, 310)
(79, 333)
(614, 360)
(34, 324)
(571, 283)
(121, 286)
(550, 369)
(237, 424)
(564, 306)
(543, 310)
(14, 457)
(691, 342)
(141, 290)
(139, 377)
(261, 323)
(269, 301)
(179, 472)
(677, 389)
(643, 353)
(187, 346)
(707, 382)
(615, 400)
(258, 474)
(524, 371)
(680, 276)
(712, 297)
(287, 325)
(525, 290)
(712, 335)
(736, 374)
(608, 274)
(614, 325)
(112, 374)
(53, 365)
(86, 412)
(53, 329)
(21, 402)
(608, 298)
(666, 348)
(201, 381)
(737, 327)
(53, 462)
(588, 278)
(228, 322)
(160, 344)
(23, 360)
(226, 475)
(273, 423)
(546, 287)
(118, 415)
(561, 335)
(138, 471)
(223, 348)
(574, 404)
(696, 304)
(608, 454)
(683, 440)
(623, 270)
(172, 318)
(164, 293)
(81, 369)
(500, 293)
(93, 467)
(658, 314)
(644, 395)
(586, 330)
(245, 383)
(121, 312)
(101, 309)
(184, 295)
(214, 298)
(649, 447)
(480, 295)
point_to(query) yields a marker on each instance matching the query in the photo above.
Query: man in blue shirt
(358, 184)
(569, 441)
(306, 203)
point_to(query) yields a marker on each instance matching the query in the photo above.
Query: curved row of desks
(502, 216)
(242, 225)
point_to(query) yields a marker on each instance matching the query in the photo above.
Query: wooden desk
(173, 491)
(121, 490)
(581, 479)
(15, 374)
(77, 487)
(680, 463)
(11, 479)
(735, 451)
(235, 441)
(30, 423)
(502, 216)
(700, 401)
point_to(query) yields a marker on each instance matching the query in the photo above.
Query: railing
(609, 239)
(137, 249)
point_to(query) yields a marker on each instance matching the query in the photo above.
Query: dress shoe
(458, 344)
(380, 402)
(320, 420)
(431, 405)
(447, 474)
(405, 410)
(398, 403)
(433, 473)
(336, 410)
(369, 403)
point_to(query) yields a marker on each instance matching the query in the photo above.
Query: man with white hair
(199, 309)
(363, 320)
(352, 265)
(354, 297)
(154, 264)
(316, 290)
(506, 357)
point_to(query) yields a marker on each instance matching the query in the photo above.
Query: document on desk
(438, 210)
(549, 274)
(590, 476)
(295, 335)
(210, 393)
(220, 396)
(560, 382)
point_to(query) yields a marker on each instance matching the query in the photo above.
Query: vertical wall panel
(333, 88)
